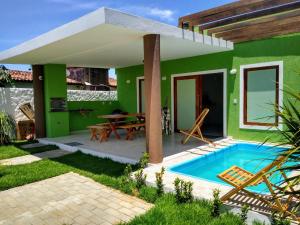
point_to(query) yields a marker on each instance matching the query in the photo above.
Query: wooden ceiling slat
(219, 9)
(232, 9)
(256, 14)
(266, 31)
(244, 10)
(260, 26)
(264, 35)
(275, 17)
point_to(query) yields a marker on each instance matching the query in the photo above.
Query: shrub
(7, 128)
(159, 181)
(217, 203)
(140, 178)
(279, 220)
(183, 191)
(243, 214)
(144, 160)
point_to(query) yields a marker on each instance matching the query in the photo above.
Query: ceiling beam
(232, 9)
(249, 23)
(282, 29)
(252, 15)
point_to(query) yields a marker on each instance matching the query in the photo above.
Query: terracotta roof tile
(27, 76)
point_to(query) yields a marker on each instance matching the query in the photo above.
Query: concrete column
(153, 97)
(39, 103)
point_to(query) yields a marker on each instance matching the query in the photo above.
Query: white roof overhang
(108, 38)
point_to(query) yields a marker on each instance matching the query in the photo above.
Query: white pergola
(107, 38)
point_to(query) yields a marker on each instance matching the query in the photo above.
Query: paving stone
(66, 200)
(34, 145)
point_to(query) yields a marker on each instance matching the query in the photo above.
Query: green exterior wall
(286, 49)
(55, 86)
(80, 122)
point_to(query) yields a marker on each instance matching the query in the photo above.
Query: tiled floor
(121, 150)
(65, 200)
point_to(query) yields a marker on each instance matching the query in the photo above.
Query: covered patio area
(108, 39)
(121, 150)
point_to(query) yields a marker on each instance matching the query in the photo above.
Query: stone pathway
(33, 145)
(33, 158)
(69, 199)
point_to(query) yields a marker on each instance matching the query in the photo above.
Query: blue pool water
(251, 157)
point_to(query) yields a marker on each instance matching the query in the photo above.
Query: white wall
(12, 98)
(85, 95)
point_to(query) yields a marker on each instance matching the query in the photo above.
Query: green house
(236, 64)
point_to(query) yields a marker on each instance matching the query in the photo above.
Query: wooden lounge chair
(241, 179)
(195, 131)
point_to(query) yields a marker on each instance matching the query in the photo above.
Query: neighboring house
(93, 78)
(234, 60)
(23, 79)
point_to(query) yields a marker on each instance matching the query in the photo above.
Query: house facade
(183, 69)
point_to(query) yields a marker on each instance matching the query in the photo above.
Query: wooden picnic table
(114, 119)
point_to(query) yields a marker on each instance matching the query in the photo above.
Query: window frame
(244, 70)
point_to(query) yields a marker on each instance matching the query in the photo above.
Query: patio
(120, 150)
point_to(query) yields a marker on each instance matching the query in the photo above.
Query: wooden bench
(101, 129)
(131, 128)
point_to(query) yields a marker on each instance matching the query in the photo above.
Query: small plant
(159, 181)
(279, 220)
(7, 128)
(244, 214)
(126, 178)
(183, 191)
(217, 203)
(140, 178)
(144, 160)
(127, 172)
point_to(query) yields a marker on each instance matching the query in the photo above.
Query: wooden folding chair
(195, 131)
(241, 179)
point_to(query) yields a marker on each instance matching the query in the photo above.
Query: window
(259, 96)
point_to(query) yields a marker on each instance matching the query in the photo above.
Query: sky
(22, 20)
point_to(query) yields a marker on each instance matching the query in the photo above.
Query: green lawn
(11, 151)
(167, 211)
(107, 172)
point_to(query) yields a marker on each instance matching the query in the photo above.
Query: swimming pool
(251, 157)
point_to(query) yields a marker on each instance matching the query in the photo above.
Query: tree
(5, 78)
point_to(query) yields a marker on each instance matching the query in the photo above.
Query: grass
(101, 170)
(11, 151)
(166, 210)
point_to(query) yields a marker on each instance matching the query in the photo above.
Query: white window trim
(224, 73)
(280, 100)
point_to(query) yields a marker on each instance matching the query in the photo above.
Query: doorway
(193, 93)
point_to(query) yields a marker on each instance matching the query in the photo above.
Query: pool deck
(203, 189)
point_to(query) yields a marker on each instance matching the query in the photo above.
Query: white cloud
(163, 13)
(153, 12)
(166, 15)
